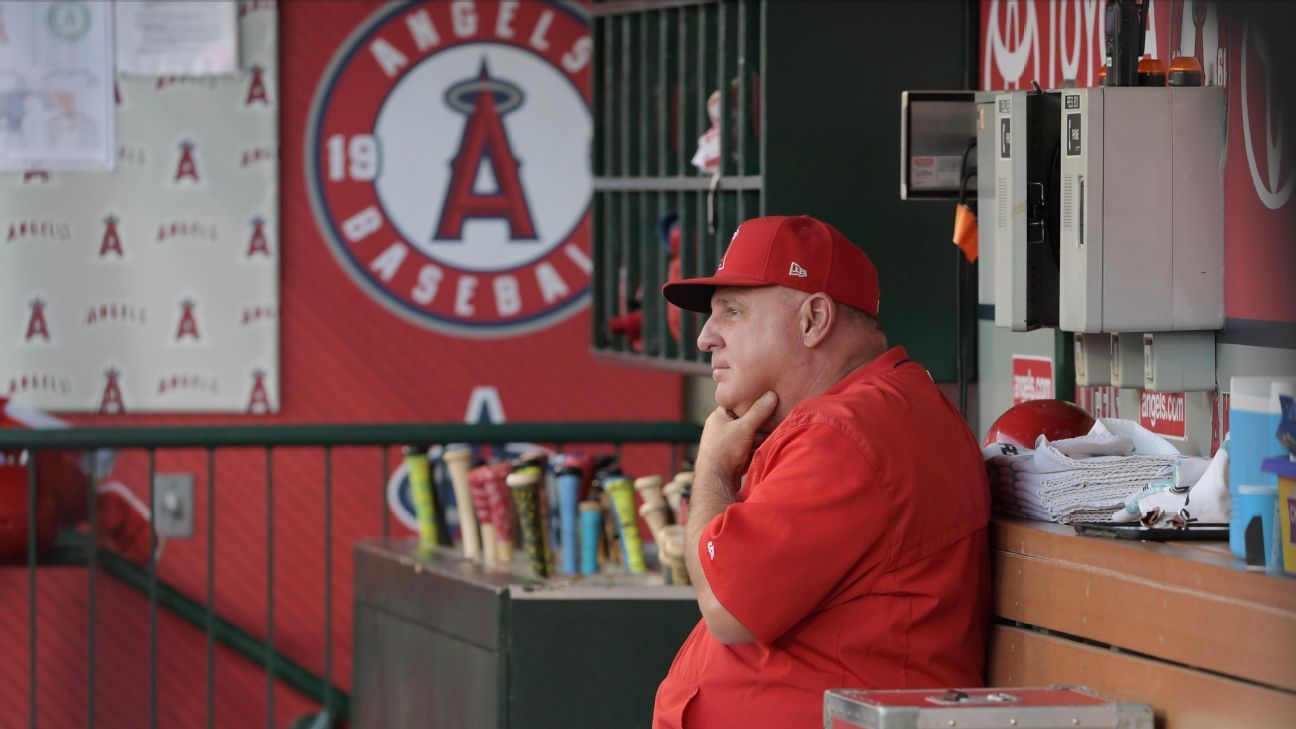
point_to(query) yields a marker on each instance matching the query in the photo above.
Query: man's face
(752, 337)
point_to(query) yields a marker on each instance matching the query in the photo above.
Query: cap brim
(694, 294)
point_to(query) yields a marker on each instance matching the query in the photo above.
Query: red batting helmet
(1021, 425)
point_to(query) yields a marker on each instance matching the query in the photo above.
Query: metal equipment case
(1142, 230)
(1056, 707)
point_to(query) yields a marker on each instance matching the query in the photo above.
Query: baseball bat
(549, 513)
(584, 463)
(442, 493)
(654, 514)
(420, 479)
(553, 510)
(568, 499)
(591, 523)
(686, 482)
(649, 489)
(672, 545)
(547, 500)
(652, 508)
(524, 484)
(605, 467)
(501, 508)
(477, 488)
(457, 459)
(671, 492)
(621, 491)
(610, 545)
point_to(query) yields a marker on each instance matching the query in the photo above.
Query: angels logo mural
(447, 163)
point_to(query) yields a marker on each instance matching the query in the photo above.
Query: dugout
(337, 229)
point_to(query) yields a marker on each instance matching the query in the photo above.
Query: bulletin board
(154, 287)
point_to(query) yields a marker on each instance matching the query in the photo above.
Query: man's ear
(817, 317)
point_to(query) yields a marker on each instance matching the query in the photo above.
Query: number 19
(356, 159)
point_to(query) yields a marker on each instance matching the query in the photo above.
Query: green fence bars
(75, 549)
(656, 66)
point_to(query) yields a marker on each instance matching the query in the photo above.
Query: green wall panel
(835, 71)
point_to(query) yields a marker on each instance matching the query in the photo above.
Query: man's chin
(735, 408)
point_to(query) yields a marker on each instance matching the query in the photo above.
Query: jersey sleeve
(813, 525)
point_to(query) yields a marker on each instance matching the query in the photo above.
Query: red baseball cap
(798, 252)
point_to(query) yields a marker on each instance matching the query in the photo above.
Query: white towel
(1088, 478)
(1144, 441)
(1200, 494)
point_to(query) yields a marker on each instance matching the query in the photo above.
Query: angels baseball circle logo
(447, 163)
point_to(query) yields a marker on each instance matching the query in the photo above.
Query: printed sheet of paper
(56, 85)
(177, 37)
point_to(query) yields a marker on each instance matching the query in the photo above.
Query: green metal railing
(75, 549)
(656, 64)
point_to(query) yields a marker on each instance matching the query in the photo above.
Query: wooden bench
(1180, 625)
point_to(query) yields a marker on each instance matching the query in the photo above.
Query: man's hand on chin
(723, 455)
(728, 438)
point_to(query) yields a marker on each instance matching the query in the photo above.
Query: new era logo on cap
(796, 270)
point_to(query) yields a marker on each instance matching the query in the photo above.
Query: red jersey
(856, 553)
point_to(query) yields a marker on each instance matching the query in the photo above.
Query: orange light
(1151, 72)
(1102, 75)
(1185, 71)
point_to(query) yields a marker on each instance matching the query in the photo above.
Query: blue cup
(1253, 422)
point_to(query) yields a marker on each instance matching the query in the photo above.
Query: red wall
(345, 358)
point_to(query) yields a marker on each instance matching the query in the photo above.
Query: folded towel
(1088, 478)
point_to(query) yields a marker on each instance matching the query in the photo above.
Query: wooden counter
(1180, 625)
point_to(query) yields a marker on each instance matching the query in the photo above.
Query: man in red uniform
(850, 549)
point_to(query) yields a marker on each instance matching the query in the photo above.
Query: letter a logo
(188, 322)
(257, 244)
(36, 326)
(484, 143)
(187, 167)
(112, 397)
(258, 401)
(111, 242)
(256, 88)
